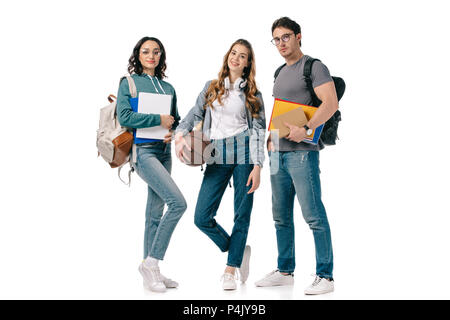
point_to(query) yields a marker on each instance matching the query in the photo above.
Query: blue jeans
(297, 172)
(153, 165)
(216, 178)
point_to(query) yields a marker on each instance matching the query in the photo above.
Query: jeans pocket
(145, 153)
(297, 159)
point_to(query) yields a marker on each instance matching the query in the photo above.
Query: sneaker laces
(229, 276)
(316, 281)
(156, 275)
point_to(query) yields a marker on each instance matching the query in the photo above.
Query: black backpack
(329, 132)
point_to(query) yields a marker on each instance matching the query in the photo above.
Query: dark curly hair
(135, 66)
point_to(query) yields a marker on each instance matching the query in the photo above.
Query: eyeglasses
(156, 53)
(285, 38)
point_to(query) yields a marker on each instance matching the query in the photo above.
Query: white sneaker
(275, 278)
(152, 278)
(320, 286)
(228, 281)
(169, 283)
(245, 266)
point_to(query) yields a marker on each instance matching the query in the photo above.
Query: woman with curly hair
(232, 111)
(153, 157)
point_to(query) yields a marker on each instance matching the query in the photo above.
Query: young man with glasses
(295, 164)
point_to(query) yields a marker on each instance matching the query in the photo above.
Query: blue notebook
(134, 105)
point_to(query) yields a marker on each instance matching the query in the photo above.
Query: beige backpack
(114, 142)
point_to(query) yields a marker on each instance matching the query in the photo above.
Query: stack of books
(295, 114)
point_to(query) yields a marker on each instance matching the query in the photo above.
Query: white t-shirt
(230, 118)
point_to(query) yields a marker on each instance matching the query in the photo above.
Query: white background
(69, 229)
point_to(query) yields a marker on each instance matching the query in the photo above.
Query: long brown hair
(216, 89)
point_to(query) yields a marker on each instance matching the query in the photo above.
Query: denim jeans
(216, 178)
(153, 165)
(297, 172)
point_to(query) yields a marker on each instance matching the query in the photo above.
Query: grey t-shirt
(291, 86)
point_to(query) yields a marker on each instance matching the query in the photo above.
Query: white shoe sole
(274, 285)
(159, 290)
(229, 288)
(171, 285)
(310, 293)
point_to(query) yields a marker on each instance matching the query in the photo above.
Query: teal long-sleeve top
(125, 114)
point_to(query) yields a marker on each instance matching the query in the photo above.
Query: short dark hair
(135, 66)
(287, 23)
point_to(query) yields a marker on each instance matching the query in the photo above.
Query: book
(157, 104)
(134, 102)
(283, 106)
(295, 117)
(134, 106)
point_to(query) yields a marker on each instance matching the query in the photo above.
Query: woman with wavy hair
(232, 111)
(147, 65)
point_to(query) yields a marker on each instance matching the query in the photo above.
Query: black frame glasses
(285, 38)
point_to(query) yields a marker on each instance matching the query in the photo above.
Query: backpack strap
(308, 67)
(132, 86)
(307, 76)
(133, 92)
(277, 72)
(133, 154)
(129, 174)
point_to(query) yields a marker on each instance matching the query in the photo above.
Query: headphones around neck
(238, 84)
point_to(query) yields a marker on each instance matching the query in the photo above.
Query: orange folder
(295, 117)
(283, 106)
